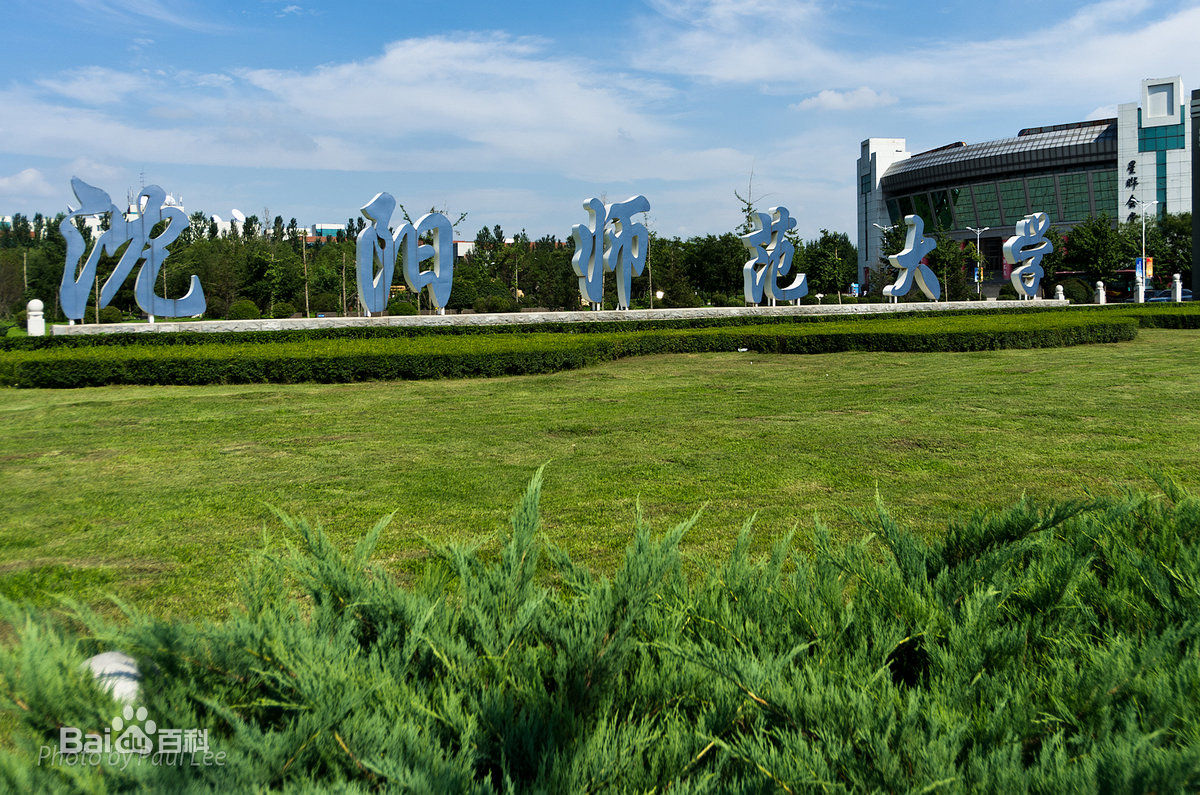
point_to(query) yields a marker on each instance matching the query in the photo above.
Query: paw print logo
(135, 739)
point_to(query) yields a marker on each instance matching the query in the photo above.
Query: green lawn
(159, 494)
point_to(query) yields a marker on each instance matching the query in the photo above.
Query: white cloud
(95, 85)
(24, 188)
(862, 98)
(1084, 57)
(484, 103)
(139, 11)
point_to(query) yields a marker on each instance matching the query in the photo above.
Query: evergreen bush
(1045, 648)
(1076, 291)
(243, 309)
(401, 306)
(282, 310)
(111, 314)
(325, 302)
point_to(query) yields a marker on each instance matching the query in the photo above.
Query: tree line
(255, 269)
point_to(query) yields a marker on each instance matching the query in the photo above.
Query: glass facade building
(1117, 167)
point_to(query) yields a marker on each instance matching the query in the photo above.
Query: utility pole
(650, 276)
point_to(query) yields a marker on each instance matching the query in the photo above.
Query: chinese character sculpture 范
(908, 262)
(1025, 249)
(772, 257)
(144, 247)
(377, 244)
(622, 250)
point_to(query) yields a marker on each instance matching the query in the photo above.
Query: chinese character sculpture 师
(772, 257)
(908, 262)
(144, 247)
(377, 244)
(622, 250)
(1026, 249)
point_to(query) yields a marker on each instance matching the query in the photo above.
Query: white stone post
(1100, 297)
(1176, 289)
(1058, 293)
(35, 320)
(1139, 290)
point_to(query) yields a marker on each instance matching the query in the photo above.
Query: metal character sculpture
(621, 251)
(376, 244)
(1025, 249)
(908, 262)
(772, 257)
(144, 247)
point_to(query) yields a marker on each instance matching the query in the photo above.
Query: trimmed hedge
(586, 327)
(347, 360)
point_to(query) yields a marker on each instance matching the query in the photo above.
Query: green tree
(830, 262)
(1096, 248)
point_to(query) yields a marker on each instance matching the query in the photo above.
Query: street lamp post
(979, 261)
(881, 229)
(1143, 205)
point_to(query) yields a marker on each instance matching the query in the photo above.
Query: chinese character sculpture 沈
(144, 247)
(908, 262)
(621, 250)
(772, 257)
(377, 244)
(1025, 249)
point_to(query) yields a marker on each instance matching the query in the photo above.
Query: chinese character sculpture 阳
(908, 262)
(621, 251)
(144, 248)
(772, 257)
(1025, 250)
(377, 244)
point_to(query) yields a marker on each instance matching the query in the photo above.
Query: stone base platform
(526, 318)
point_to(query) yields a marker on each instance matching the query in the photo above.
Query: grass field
(160, 494)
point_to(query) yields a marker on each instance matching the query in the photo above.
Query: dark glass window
(893, 208)
(1104, 192)
(941, 209)
(921, 207)
(1012, 200)
(987, 204)
(1073, 188)
(1042, 198)
(964, 211)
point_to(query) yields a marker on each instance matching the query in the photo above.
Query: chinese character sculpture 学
(908, 262)
(145, 248)
(1027, 247)
(772, 257)
(621, 251)
(377, 244)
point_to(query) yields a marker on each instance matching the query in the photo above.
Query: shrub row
(392, 332)
(1045, 649)
(340, 361)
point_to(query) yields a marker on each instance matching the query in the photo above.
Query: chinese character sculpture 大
(621, 251)
(1027, 247)
(150, 251)
(908, 261)
(773, 252)
(377, 244)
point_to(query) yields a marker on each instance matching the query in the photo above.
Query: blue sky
(518, 114)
